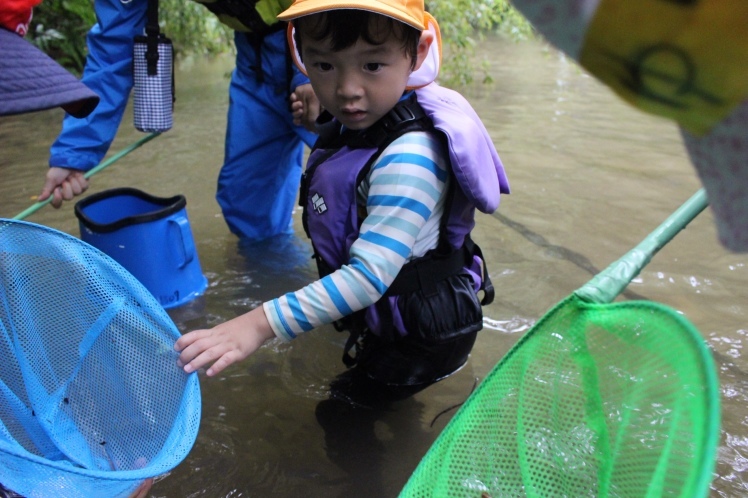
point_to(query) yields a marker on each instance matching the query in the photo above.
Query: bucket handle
(188, 245)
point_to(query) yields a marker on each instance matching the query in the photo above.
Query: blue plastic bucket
(149, 236)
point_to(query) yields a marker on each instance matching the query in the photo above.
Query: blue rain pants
(259, 180)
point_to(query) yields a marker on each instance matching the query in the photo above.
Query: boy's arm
(411, 172)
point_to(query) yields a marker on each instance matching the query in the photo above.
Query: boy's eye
(373, 66)
(323, 66)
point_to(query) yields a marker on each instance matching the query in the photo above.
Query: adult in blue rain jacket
(259, 180)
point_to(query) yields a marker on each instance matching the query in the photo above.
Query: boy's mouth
(353, 114)
(351, 111)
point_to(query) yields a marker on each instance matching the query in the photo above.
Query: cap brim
(31, 81)
(305, 8)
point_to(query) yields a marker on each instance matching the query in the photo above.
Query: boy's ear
(424, 45)
(428, 55)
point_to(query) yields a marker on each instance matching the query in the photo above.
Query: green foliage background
(59, 28)
(463, 24)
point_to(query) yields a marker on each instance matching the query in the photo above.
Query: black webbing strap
(424, 273)
(404, 117)
(355, 324)
(256, 38)
(152, 34)
(486, 285)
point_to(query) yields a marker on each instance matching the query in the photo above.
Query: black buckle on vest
(404, 113)
(399, 116)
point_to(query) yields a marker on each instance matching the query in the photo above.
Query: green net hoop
(596, 400)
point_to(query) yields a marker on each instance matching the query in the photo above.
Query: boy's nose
(348, 87)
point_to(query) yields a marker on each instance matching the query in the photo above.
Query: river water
(590, 178)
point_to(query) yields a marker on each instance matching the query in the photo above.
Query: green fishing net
(598, 399)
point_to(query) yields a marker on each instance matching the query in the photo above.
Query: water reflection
(590, 178)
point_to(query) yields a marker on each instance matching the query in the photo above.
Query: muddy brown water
(590, 177)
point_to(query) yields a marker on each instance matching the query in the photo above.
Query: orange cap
(410, 12)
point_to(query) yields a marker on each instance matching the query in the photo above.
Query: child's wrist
(275, 331)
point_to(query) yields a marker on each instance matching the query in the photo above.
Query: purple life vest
(340, 162)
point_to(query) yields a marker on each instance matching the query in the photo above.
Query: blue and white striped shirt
(404, 194)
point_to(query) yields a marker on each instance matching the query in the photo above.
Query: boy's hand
(143, 489)
(305, 106)
(64, 184)
(224, 344)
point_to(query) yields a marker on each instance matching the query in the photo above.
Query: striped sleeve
(404, 195)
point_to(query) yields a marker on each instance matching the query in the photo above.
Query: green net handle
(607, 284)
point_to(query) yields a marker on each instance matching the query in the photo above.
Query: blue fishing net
(91, 399)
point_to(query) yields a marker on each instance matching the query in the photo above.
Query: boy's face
(360, 84)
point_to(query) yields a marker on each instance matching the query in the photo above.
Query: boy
(389, 196)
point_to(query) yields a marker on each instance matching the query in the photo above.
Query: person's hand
(63, 184)
(143, 489)
(224, 344)
(305, 107)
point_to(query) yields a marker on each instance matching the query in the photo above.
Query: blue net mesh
(91, 399)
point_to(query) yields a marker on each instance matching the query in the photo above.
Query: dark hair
(345, 27)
